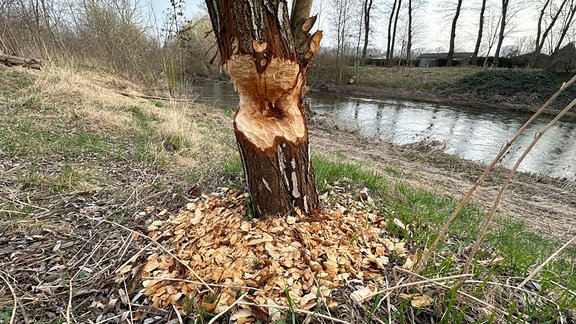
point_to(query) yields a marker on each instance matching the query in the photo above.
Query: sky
(432, 35)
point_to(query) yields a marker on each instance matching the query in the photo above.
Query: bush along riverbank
(101, 192)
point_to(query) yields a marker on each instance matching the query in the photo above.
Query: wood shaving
(301, 256)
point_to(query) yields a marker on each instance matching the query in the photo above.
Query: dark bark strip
(280, 182)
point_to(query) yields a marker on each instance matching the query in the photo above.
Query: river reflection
(468, 133)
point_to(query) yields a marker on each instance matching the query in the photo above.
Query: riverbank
(86, 172)
(517, 91)
(546, 206)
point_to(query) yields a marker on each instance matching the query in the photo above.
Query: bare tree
(409, 36)
(367, 9)
(541, 35)
(492, 29)
(474, 57)
(450, 56)
(342, 21)
(267, 55)
(567, 22)
(502, 33)
(395, 29)
(389, 40)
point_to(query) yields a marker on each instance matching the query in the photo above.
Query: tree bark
(30, 63)
(367, 9)
(450, 56)
(502, 33)
(267, 58)
(542, 35)
(389, 40)
(474, 58)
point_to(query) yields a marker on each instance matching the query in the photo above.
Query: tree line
(124, 36)
(488, 23)
(120, 36)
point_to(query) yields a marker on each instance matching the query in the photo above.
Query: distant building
(439, 59)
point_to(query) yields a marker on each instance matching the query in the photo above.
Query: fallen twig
(297, 310)
(228, 308)
(550, 258)
(13, 317)
(466, 295)
(160, 247)
(416, 283)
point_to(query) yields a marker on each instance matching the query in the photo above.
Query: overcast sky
(432, 20)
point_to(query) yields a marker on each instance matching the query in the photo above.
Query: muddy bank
(520, 104)
(546, 206)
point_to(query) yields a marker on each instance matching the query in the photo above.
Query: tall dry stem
(507, 182)
(424, 260)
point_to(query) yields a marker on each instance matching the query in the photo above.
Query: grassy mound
(531, 87)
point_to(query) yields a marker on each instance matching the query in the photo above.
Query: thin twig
(424, 260)
(526, 291)
(416, 283)
(69, 306)
(199, 283)
(129, 302)
(507, 182)
(177, 315)
(573, 293)
(555, 254)
(228, 308)
(466, 295)
(13, 317)
(161, 248)
(297, 310)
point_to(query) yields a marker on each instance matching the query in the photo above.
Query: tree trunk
(389, 40)
(10, 60)
(267, 58)
(566, 24)
(542, 35)
(367, 10)
(394, 30)
(409, 41)
(502, 33)
(474, 58)
(450, 56)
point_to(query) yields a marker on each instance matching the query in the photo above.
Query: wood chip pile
(222, 255)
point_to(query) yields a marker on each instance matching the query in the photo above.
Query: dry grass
(94, 100)
(402, 77)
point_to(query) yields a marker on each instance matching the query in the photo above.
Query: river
(473, 134)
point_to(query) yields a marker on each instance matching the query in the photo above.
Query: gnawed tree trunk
(267, 56)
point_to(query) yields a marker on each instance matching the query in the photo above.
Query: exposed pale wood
(10, 60)
(267, 57)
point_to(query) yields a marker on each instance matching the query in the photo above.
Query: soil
(546, 206)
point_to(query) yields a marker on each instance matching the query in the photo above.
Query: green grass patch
(346, 173)
(424, 213)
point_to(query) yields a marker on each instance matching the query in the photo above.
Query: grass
(392, 77)
(514, 250)
(74, 153)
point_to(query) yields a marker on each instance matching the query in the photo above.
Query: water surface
(473, 134)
